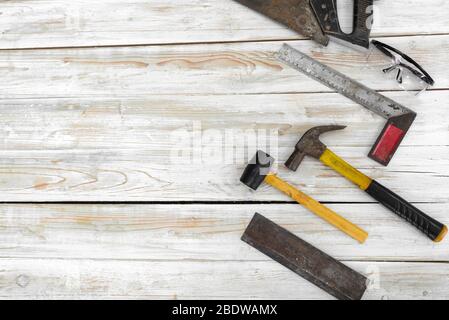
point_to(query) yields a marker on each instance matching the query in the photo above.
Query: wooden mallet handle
(320, 210)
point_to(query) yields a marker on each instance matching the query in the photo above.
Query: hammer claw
(323, 129)
(311, 145)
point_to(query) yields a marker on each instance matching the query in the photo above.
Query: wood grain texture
(202, 232)
(57, 23)
(96, 149)
(97, 113)
(236, 68)
(97, 279)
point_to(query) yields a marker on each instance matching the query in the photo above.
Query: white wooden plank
(203, 232)
(109, 149)
(97, 125)
(237, 68)
(90, 279)
(57, 23)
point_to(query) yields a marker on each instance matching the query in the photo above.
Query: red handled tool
(318, 19)
(400, 118)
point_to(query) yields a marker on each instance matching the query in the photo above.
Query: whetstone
(304, 259)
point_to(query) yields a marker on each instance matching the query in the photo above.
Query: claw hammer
(259, 171)
(310, 145)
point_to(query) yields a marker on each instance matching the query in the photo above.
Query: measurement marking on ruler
(337, 81)
(399, 117)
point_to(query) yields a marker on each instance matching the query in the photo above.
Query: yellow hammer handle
(345, 169)
(320, 210)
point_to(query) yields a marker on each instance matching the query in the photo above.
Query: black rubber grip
(327, 14)
(405, 210)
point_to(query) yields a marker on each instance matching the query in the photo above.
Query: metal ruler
(399, 118)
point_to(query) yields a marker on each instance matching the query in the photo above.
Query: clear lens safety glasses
(404, 70)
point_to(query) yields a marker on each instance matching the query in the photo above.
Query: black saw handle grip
(429, 226)
(327, 14)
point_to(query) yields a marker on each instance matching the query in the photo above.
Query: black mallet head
(257, 170)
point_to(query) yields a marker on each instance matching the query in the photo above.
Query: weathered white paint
(96, 124)
(211, 69)
(122, 279)
(202, 232)
(98, 149)
(58, 23)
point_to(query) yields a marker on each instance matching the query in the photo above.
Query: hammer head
(257, 169)
(310, 145)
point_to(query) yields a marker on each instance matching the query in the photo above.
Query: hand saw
(317, 19)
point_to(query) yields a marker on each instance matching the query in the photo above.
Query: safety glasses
(407, 72)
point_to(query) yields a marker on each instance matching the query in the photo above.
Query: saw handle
(327, 13)
(320, 210)
(435, 230)
(429, 226)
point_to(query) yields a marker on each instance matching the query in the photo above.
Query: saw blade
(370, 99)
(298, 15)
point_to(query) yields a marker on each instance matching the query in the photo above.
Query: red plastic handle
(387, 144)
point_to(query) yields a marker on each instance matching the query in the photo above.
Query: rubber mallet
(258, 171)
